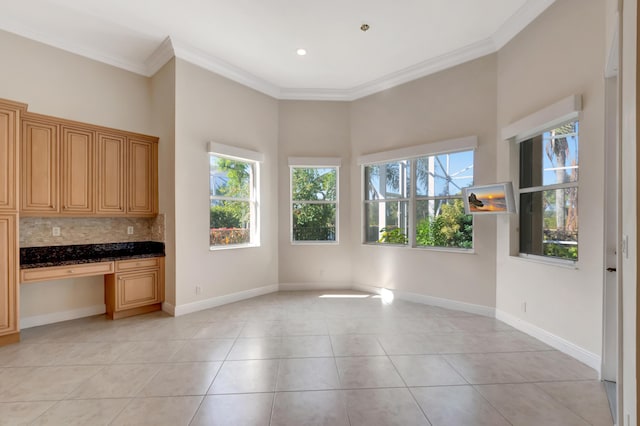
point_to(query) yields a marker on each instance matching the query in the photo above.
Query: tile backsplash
(37, 231)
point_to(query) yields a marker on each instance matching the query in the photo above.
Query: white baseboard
(589, 358)
(36, 320)
(200, 305)
(315, 286)
(433, 301)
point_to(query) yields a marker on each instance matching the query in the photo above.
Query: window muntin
(314, 204)
(549, 193)
(432, 215)
(233, 202)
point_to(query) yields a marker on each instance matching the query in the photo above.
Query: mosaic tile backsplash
(37, 231)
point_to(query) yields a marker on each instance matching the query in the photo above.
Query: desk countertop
(40, 257)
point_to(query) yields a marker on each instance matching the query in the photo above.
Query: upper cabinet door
(9, 130)
(112, 171)
(77, 170)
(39, 167)
(143, 177)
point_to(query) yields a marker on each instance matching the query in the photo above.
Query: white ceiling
(254, 42)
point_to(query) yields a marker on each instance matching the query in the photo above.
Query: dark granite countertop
(39, 257)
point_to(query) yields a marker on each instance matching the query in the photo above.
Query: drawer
(68, 271)
(133, 264)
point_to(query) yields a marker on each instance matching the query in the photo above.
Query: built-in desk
(133, 272)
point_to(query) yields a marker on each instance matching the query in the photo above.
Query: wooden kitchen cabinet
(77, 170)
(9, 130)
(137, 287)
(142, 177)
(9, 267)
(39, 161)
(111, 176)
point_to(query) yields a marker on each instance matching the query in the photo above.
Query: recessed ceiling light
(301, 52)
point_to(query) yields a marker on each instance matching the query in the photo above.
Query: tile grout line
(341, 390)
(405, 383)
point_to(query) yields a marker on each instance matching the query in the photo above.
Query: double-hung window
(417, 201)
(386, 204)
(549, 193)
(314, 199)
(233, 196)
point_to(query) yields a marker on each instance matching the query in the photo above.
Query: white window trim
(235, 152)
(314, 162)
(408, 153)
(255, 158)
(563, 111)
(450, 146)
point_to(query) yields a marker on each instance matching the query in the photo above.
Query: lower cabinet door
(137, 289)
(8, 274)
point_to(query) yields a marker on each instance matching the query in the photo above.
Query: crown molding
(431, 66)
(223, 68)
(68, 46)
(159, 57)
(170, 47)
(519, 21)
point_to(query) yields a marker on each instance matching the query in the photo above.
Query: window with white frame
(233, 196)
(549, 193)
(417, 201)
(314, 199)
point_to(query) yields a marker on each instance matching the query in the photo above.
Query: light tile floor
(295, 358)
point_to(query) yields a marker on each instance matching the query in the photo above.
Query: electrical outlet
(130, 230)
(55, 231)
(198, 290)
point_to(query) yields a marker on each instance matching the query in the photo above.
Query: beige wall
(314, 129)
(560, 54)
(54, 82)
(210, 107)
(454, 103)
(163, 101)
(58, 83)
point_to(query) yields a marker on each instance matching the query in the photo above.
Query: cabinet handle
(70, 271)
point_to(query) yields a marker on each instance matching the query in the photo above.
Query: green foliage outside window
(392, 235)
(451, 228)
(314, 196)
(230, 211)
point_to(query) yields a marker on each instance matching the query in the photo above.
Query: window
(386, 206)
(441, 221)
(549, 193)
(418, 201)
(314, 200)
(233, 198)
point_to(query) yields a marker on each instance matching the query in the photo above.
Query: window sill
(425, 248)
(549, 261)
(233, 247)
(314, 243)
